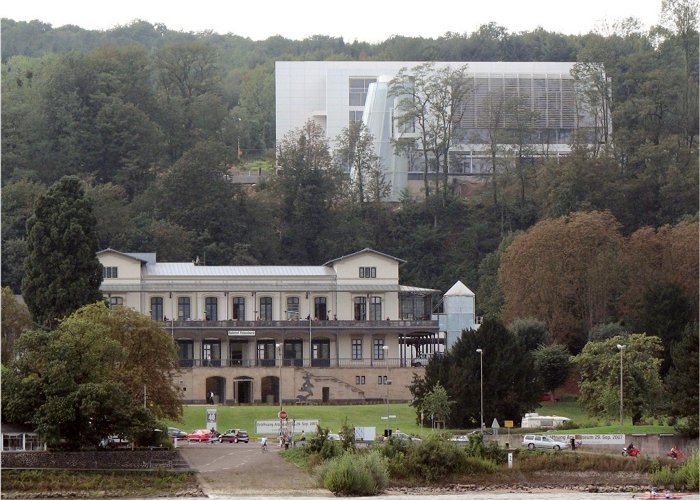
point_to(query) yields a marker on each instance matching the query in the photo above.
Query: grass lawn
(333, 417)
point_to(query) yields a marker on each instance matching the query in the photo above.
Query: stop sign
(282, 415)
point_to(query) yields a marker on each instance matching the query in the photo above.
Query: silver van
(533, 441)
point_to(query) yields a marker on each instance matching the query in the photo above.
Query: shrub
(678, 476)
(354, 474)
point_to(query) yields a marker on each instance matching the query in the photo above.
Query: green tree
(15, 321)
(59, 385)
(308, 185)
(682, 380)
(62, 272)
(85, 380)
(553, 363)
(531, 332)
(436, 404)
(511, 385)
(599, 368)
(150, 359)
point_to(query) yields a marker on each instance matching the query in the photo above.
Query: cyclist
(263, 443)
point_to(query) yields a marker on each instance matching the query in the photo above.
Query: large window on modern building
(238, 308)
(266, 308)
(292, 308)
(358, 90)
(375, 308)
(184, 311)
(211, 308)
(355, 116)
(356, 348)
(360, 308)
(110, 272)
(378, 349)
(320, 308)
(157, 308)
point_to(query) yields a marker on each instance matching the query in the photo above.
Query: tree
(437, 404)
(150, 359)
(355, 154)
(565, 272)
(308, 185)
(84, 381)
(62, 272)
(553, 363)
(15, 321)
(531, 332)
(431, 101)
(682, 380)
(599, 368)
(511, 385)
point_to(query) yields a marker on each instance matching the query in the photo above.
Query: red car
(201, 435)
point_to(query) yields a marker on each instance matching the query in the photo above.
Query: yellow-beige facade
(344, 331)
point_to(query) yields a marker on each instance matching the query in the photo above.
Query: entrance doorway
(242, 390)
(216, 390)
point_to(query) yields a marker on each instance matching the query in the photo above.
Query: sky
(363, 20)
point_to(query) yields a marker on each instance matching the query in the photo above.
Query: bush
(354, 474)
(678, 476)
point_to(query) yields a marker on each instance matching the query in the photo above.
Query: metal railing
(295, 362)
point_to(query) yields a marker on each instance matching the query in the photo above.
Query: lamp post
(385, 348)
(481, 382)
(621, 349)
(279, 382)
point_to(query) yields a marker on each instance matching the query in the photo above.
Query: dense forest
(152, 119)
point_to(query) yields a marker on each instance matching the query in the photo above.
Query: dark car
(234, 436)
(174, 432)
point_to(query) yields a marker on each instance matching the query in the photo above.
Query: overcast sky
(364, 20)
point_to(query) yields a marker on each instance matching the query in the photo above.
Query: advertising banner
(273, 427)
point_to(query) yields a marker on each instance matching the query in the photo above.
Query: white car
(533, 441)
(332, 436)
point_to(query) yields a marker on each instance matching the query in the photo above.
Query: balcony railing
(301, 324)
(305, 363)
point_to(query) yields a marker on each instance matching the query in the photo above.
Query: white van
(533, 441)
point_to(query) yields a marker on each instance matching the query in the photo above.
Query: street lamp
(621, 349)
(385, 348)
(481, 381)
(279, 382)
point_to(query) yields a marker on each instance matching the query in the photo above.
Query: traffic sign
(282, 415)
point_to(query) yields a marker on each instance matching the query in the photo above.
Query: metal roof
(188, 269)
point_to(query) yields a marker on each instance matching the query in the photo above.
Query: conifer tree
(62, 272)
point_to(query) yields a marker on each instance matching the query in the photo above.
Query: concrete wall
(652, 445)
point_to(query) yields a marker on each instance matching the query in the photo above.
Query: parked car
(200, 435)
(405, 437)
(332, 436)
(533, 441)
(174, 432)
(234, 436)
(463, 439)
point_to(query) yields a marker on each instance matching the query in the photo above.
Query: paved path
(235, 469)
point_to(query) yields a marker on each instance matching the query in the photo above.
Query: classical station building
(339, 332)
